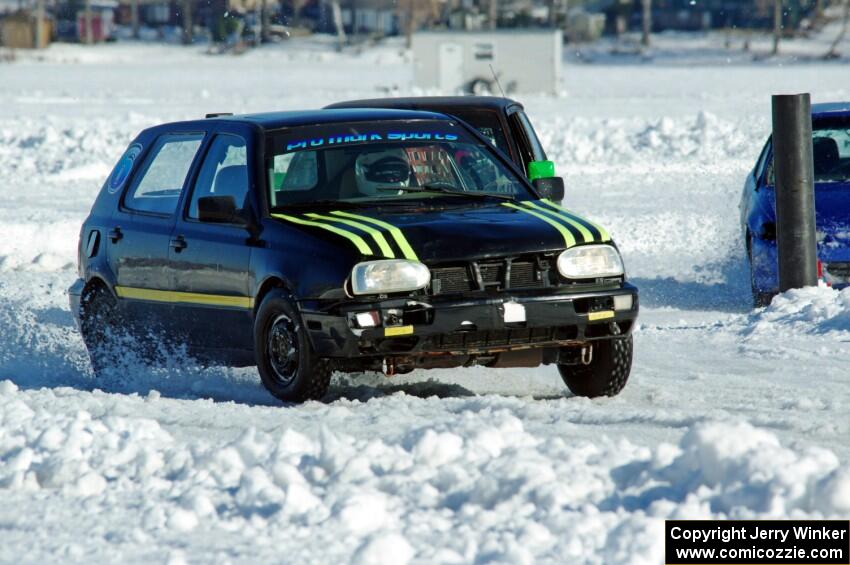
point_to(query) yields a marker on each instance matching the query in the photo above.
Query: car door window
(224, 172)
(156, 188)
(536, 148)
(294, 171)
(518, 133)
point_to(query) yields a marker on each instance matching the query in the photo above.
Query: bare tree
(833, 49)
(88, 18)
(134, 18)
(819, 11)
(777, 25)
(646, 21)
(409, 23)
(265, 23)
(188, 35)
(39, 24)
(340, 28)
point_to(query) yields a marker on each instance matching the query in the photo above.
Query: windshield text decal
(368, 137)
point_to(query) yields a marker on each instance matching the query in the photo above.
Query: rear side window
(157, 186)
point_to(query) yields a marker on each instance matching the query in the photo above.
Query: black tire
(607, 373)
(286, 361)
(762, 299)
(480, 87)
(100, 325)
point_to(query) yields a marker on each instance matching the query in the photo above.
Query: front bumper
(75, 293)
(472, 326)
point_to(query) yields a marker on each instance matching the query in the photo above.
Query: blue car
(831, 145)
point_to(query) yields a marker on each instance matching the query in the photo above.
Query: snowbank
(480, 488)
(669, 142)
(814, 310)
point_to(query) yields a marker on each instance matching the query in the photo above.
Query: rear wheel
(99, 325)
(760, 298)
(605, 373)
(286, 361)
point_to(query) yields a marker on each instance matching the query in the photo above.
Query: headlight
(391, 275)
(590, 262)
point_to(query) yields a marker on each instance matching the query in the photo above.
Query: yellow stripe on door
(175, 297)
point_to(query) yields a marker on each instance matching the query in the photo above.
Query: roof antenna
(496, 78)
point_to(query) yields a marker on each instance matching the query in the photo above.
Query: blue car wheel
(761, 296)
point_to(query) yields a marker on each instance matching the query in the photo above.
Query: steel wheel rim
(282, 350)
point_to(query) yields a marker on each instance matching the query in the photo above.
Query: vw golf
(348, 240)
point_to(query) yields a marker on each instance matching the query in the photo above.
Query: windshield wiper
(444, 188)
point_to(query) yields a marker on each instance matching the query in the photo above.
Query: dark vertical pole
(795, 191)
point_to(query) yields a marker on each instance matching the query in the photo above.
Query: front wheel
(606, 371)
(286, 361)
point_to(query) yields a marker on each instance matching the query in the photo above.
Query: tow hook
(388, 367)
(587, 355)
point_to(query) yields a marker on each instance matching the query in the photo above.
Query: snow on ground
(729, 413)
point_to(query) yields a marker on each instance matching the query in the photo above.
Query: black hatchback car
(347, 240)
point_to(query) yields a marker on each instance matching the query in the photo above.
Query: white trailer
(527, 61)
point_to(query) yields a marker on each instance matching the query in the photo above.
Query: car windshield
(383, 163)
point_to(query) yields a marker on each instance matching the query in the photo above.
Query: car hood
(447, 234)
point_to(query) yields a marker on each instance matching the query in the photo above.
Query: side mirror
(218, 209)
(541, 170)
(551, 188)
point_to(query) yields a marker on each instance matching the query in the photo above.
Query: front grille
(492, 274)
(504, 338)
(447, 280)
(525, 273)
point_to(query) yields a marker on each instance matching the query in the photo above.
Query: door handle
(115, 234)
(178, 243)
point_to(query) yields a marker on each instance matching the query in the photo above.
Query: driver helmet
(383, 169)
